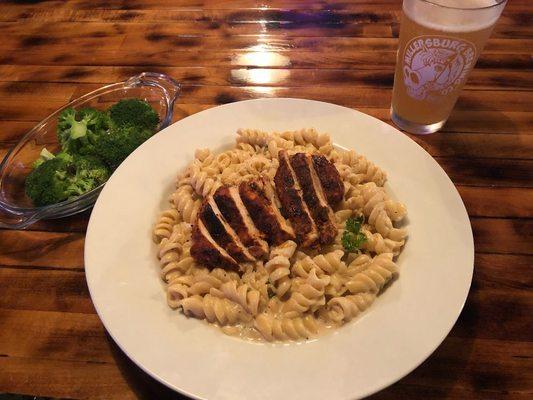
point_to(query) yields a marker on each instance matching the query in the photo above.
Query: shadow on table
(142, 384)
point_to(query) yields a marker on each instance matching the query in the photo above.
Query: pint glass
(440, 42)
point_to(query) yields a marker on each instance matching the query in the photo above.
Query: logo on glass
(434, 66)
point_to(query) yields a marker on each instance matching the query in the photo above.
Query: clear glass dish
(16, 209)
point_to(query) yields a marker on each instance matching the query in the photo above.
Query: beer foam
(473, 15)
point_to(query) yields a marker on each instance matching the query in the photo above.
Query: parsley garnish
(354, 224)
(353, 238)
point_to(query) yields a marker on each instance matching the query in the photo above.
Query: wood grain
(348, 95)
(52, 343)
(44, 290)
(41, 249)
(499, 79)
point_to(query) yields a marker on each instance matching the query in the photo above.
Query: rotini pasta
(278, 267)
(286, 328)
(306, 294)
(330, 262)
(243, 295)
(202, 182)
(371, 280)
(345, 308)
(253, 137)
(381, 211)
(376, 243)
(307, 136)
(165, 224)
(186, 203)
(214, 309)
(362, 169)
(302, 266)
(291, 293)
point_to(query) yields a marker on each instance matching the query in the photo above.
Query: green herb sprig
(353, 238)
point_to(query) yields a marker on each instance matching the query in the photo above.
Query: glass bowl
(16, 209)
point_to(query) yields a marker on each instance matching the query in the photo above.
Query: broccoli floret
(133, 121)
(63, 177)
(78, 132)
(90, 173)
(120, 142)
(65, 156)
(134, 112)
(44, 155)
(47, 183)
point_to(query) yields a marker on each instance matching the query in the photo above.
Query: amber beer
(440, 42)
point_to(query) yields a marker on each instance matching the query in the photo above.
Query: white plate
(402, 328)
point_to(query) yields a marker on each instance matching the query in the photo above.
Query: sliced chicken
(259, 199)
(222, 232)
(238, 223)
(207, 252)
(293, 206)
(330, 179)
(233, 210)
(314, 197)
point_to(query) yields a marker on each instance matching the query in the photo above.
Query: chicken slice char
(314, 197)
(233, 210)
(330, 179)
(221, 232)
(293, 206)
(259, 199)
(206, 251)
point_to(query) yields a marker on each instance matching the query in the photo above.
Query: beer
(439, 46)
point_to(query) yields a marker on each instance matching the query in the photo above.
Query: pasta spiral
(186, 203)
(257, 278)
(336, 286)
(214, 309)
(198, 284)
(328, 263)
(253, 137)
(203, 154)
(381, 211)
(276, 144)
(307, 136)
(303, 265)
(376, 243)
(278, 266)
(243, 295)
(345, 308)
(362, 169)
(381, 270)
(173, 250)
(165, 224)
(178, 289)
(358, 264)
(203, 184)
(272, 328)
(175, 267)
(306, 294)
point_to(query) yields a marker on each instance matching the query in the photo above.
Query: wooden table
(52, 343)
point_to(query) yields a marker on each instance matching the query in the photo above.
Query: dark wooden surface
(51, 340)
